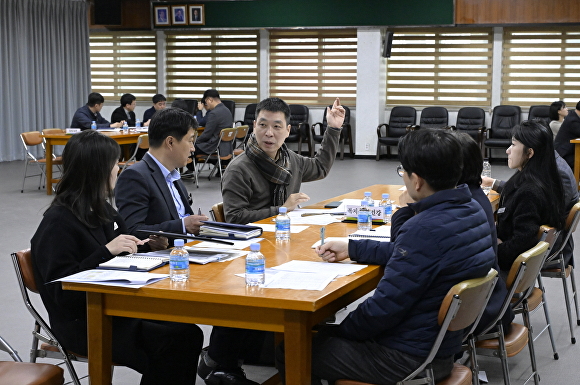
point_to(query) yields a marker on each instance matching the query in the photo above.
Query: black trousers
(231, 347)
(335, 358)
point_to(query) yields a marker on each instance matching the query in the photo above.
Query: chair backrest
(540, 112)
(434, 117)
(250, 115)
(217, 212)
(24, 268)
(225, 148)
(503, 119)
(231, 105)
(242, 132)
(569, 228)
(462, 306)
(191, 106)
(401, 117)
(325, 124)
(298, 117)
(548, 234)
(31, 138)
(531, 261)
(470, 118)
(143, 142)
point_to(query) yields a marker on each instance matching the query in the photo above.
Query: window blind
(123, 63)
(226, 60)
(446, 67)
(313, 67)
(541, 65)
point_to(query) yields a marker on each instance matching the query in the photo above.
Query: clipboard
(183, 236)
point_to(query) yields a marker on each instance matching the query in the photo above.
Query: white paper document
(338, 269)
(381, 233)
(272, 228)
(114, 278)
(299, 281)
(237, 245)
(339, 239)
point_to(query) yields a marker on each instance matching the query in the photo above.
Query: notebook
(229, 230)
(134, 263)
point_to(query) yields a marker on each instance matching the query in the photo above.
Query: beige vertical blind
(313, 67)
(226, 60)
(123, 63)
(446, 67)
(541, 65)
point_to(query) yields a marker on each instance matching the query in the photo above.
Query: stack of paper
(114, 278)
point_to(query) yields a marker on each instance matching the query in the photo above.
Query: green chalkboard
(321, 13)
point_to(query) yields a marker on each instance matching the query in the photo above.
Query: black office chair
(434, 117)
(191, 106)
(540, 112)
(471, 120)
(401, 117)
(231, 105)
(299, 126)
(345, 134)
(249, 117)
(499, 135)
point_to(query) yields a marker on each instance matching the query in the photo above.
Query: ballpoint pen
(199, 211)
(322, 231)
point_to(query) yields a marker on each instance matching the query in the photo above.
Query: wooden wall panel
(516, 11)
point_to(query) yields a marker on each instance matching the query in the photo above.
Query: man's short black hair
(211, 93)
(169, 122)
(578, 106)
(274, 105)
(127, 99)
(433, 154)
(181, 104)
(159, 98)
(95, 98)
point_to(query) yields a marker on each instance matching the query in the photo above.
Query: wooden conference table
(62, 139)
(213, 295)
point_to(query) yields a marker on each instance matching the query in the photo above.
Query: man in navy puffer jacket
(447, 241)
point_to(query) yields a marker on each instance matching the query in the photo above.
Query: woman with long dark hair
(533, 196)
(558, 112)
(79, 231)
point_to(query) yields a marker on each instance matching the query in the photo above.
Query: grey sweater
(247, 194)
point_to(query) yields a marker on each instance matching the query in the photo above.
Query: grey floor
(21, 213)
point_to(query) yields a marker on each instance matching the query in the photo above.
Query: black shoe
(221, 376)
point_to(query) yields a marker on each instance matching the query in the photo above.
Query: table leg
(577, 163)
(48, 170)
(100, 340)
(298, 348)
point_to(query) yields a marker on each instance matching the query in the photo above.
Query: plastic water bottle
(387, 205)
(137, 123)
(93, 125)
(125, 126)
(282, 225)
(486, 172)
(255, 266)
(364, 217)
(368, 198)
(178, 262)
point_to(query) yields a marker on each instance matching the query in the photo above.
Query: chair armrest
(314, 126)
(413, 127)
(386, 130)
(452, 128)
(239, 121)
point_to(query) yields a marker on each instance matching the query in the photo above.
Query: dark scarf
(276, 171)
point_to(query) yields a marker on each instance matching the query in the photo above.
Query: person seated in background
(447, 241)
(471, 176)
(126, 112)
(201, 119)
(569, 130)
(571, 196)
(159, 103)
(79, 231)
(181, 104)
(266, 176)
(217, 118)
(91, 112)
(533, 196)
(558, 113)
(149, 194)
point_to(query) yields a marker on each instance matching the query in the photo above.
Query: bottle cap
(386, 196)
(283, 210)
(367, 193)
(364, 203)
(255, 247)
(178, 242)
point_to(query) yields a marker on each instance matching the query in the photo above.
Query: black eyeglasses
(400, 170)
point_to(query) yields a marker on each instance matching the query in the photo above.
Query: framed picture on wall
(196, 14)
(178, 15)
(161, 16)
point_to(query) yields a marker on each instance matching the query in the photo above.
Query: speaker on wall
(107, 12)
(388, 44)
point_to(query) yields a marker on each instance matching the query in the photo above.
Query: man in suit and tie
(126, 112)
(150, 195)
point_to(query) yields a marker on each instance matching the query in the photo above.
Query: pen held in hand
(322, 231)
